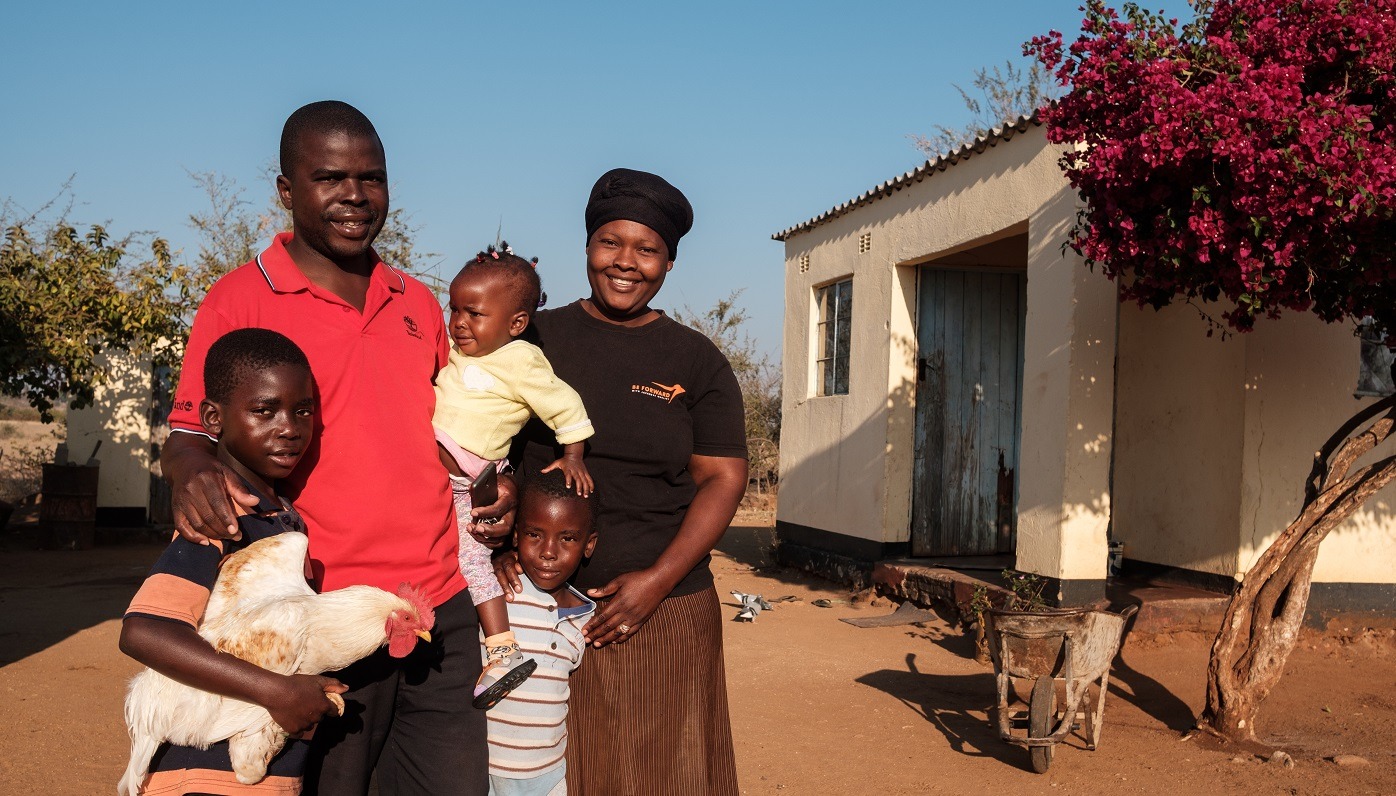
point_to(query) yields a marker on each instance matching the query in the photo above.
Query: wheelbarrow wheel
(1041, 710)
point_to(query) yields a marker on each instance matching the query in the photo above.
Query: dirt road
(819, 706)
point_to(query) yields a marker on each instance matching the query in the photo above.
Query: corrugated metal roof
(925, 170)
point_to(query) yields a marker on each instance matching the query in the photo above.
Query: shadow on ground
(96, 585)
(749, 542)
(1149, 695)
(1127, 683)
(959, 706)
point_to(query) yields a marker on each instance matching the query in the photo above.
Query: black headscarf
(643, 198)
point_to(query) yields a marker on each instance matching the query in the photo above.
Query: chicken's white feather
(262, 610)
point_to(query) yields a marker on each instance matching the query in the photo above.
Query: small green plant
(1024, 594)
(1026, 591)
(979, 601)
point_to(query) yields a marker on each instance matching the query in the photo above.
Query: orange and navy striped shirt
(177, 590)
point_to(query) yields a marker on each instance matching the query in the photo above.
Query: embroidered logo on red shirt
(412, 327)
(661, 391)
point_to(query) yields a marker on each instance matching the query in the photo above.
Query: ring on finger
(624, 629)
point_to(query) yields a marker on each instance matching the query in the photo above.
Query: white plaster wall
(833, 448)
(1300, 376)
(898, 459)
(1179, 429)
(119, 417)
(1212, 440)
(1068, 383)
(846, 461)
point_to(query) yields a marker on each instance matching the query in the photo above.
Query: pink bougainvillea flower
(1249, 154)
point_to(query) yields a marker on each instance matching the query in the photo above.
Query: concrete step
(1163, 608)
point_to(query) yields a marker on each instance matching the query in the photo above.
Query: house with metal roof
(122, 430)
(960, 388)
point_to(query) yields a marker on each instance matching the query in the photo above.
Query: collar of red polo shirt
(284, 276)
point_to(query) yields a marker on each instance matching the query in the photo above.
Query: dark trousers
(409, 720)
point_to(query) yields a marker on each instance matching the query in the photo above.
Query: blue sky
(763, 113)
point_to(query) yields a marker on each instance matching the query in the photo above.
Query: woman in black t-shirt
(648, 710)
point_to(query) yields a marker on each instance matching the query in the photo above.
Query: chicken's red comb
(419, 601)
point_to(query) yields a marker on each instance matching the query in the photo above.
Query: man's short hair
(326, 116)
(553, 484)
(242, 351)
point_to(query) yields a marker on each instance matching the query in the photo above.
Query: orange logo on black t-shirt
(662, 391)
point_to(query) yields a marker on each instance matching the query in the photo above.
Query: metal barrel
(68, 506)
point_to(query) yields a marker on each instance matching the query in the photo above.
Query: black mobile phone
(484, 491)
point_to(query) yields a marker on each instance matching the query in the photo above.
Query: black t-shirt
(656, 394)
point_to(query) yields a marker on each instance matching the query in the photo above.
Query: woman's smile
(626, 265)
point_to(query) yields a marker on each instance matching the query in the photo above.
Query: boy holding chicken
(260, 407)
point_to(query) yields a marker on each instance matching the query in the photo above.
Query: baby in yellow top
(492, 383)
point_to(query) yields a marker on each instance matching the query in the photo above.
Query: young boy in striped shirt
(555, 530)
(260, 406)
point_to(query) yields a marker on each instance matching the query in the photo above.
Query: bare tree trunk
(1262, 621)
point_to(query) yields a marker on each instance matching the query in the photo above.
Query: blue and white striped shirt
(528, 728)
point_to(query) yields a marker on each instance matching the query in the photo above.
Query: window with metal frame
(834, 331)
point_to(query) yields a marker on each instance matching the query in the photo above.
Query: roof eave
(1003, 132)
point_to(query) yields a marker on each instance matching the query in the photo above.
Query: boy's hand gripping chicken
(262, 610)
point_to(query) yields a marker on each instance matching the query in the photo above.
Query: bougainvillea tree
(1246, 158)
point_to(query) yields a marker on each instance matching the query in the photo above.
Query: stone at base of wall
(804, 548)
(854, 548)
(948, 592)
(1328, 602)
(825, 564)
(1359, 603)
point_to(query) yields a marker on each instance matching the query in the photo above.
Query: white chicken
(262, 610)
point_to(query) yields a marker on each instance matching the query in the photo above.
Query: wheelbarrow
(1075, 644)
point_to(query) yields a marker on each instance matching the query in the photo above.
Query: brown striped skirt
(649, 716)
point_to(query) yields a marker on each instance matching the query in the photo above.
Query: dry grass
(25, 445)
(757, 508)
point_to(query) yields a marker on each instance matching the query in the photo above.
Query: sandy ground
(818, 706)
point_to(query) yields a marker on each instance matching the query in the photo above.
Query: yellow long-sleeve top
(482, 402)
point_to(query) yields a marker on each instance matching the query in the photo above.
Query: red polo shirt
(371, 487)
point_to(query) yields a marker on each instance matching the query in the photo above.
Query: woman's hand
(299, 701)
(495, 535)
(202, 489)
(508, 570)
(634, 596)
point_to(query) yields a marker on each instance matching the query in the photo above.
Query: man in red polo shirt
(371, 487)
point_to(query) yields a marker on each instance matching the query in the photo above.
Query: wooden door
(968, 411)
